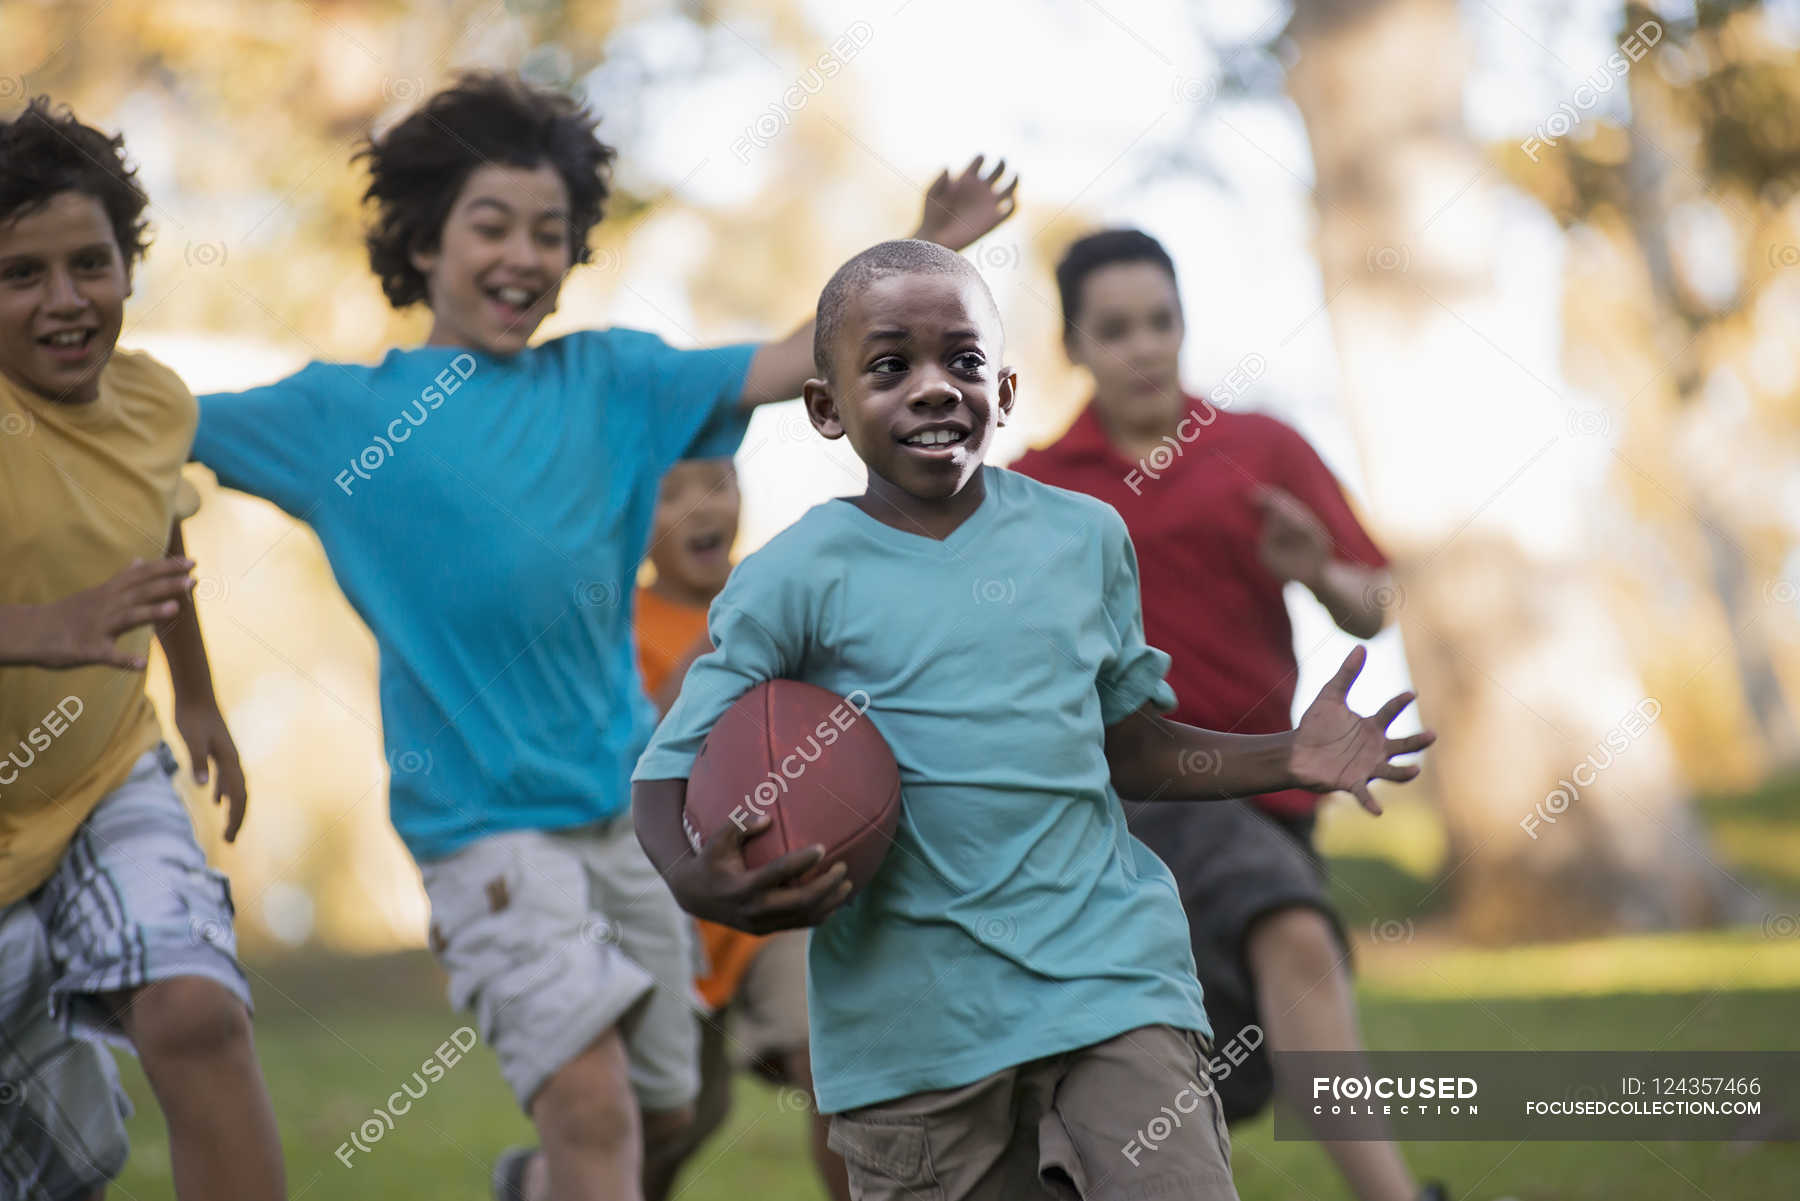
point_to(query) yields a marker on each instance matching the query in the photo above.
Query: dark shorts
(1234, 863)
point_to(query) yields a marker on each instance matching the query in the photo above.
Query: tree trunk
(1564, 812)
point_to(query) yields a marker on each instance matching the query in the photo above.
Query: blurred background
(1527, 274)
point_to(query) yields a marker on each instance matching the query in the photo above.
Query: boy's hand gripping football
(1336, 748)
(716, 884)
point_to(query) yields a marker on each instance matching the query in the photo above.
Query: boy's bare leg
(1306, 1001)
(591, 1131)
(193, 1038)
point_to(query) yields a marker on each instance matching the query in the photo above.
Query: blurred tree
(1564, 809)
(1695, 195)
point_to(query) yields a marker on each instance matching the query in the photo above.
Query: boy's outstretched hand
(717, 885)
(210, 750)
(1336, 748)
(961, 209)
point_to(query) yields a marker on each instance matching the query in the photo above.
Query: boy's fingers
(1411, 743)
(797, 903)
(790, 866)
(1339, 685)
(832, 902)
(1361, 792)
(1398, 771)
(1385, 715)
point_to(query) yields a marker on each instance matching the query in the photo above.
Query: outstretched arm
(957, 212)
(197, 715)
(1296, 545)
(1333, 749)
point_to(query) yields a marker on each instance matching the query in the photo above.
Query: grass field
(337, 1036)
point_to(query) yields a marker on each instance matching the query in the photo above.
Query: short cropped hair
(45, 151)
(1087, 255)
(903, 256)
(418, 168)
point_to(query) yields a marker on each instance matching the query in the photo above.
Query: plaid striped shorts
(132, 901)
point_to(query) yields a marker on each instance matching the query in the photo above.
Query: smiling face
(695, 524)
(916, 385)
(63, 286)
(1128, 332)
(500, 259)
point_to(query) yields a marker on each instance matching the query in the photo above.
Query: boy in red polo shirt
(1224, 509)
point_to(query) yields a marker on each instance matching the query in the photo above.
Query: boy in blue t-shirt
(484, 504)
(1012, 999)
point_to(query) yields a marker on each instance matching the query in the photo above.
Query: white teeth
(68, 337)
(934, 437)
(514, 296)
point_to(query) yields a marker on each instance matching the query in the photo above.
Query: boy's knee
(186, 1017)
(587, 1103)
(1297, 940)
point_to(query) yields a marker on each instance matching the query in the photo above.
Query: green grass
(337, 1036)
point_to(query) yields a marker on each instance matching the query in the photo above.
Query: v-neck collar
(901, 539)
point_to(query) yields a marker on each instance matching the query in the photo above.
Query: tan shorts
(1134, 1117)
(552, 938)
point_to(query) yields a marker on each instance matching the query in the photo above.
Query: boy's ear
(1008, 389)
(821, 409)
(423, 258)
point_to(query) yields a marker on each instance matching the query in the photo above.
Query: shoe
(1434, 1191)
(508, 1180)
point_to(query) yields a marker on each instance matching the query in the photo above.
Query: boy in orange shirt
(759, 980)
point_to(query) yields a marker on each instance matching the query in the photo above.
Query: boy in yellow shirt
(111, 923)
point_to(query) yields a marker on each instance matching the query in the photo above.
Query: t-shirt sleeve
(262, 441)
(758, 629)
(693, 396)
(1300, 470)
(1133, 671)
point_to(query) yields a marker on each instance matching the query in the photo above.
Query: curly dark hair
(1087, 255)
(418, 168)
(45, 151)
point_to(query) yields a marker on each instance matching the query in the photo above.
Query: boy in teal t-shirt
(1013, 996)
(484, 504)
